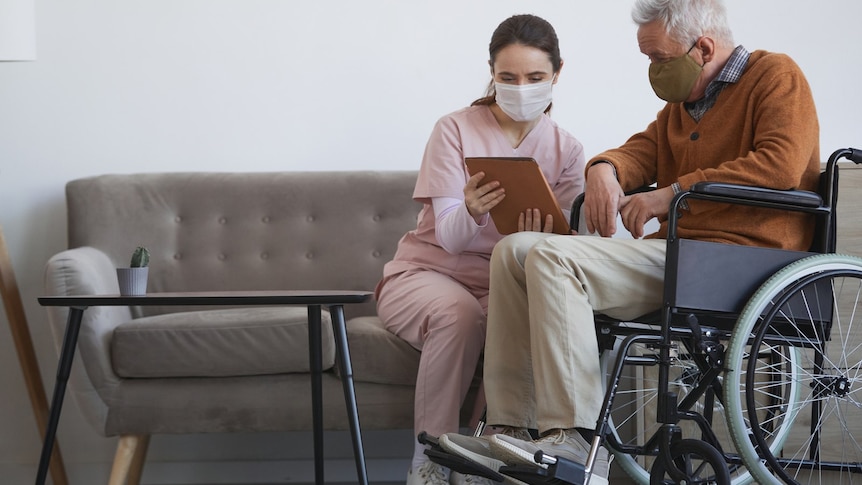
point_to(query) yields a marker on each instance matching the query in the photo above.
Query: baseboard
(380, 471)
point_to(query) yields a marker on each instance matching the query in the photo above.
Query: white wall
(263, 85)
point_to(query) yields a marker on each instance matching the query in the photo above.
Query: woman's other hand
(531, 220)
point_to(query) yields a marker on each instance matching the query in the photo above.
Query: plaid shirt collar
(731, 73)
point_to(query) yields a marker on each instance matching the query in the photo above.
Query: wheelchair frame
(692, 311)
(759, 287)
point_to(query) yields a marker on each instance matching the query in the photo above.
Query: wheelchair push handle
(852, 154)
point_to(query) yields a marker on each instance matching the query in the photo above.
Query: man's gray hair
(686, 20)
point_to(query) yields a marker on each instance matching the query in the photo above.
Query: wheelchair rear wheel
(813, 306)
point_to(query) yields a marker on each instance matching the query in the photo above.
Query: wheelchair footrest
(454, 462)
(562, 472)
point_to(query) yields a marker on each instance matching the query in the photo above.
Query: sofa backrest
(247, 231)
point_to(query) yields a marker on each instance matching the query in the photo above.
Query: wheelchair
(751, 370)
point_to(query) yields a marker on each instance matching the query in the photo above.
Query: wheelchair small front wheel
(633, 428)
(695, 462)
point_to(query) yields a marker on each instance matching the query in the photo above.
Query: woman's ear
(557, 74)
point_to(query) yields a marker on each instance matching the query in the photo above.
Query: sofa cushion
(378, 355)
(218, 343)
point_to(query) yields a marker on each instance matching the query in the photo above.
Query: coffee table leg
(64, 368)
(315, 351)
(346, 369)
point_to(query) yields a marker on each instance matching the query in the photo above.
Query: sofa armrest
(82, 271)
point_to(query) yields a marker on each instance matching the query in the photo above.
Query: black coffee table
(313, 299)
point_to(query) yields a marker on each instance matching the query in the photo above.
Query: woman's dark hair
(527, 30)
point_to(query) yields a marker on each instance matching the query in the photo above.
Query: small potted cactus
(133, 280)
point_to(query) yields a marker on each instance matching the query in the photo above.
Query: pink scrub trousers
(444, 320)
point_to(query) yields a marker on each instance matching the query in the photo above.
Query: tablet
(526, 188)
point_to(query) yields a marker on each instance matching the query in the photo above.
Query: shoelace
(519, 433)
(557, 439)
(560, 437)
(431, 472)
(476, 480)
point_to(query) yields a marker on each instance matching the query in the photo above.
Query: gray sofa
(150, 370)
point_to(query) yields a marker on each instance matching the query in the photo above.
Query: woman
(434, 293)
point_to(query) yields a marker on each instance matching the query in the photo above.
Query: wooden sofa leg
(129, 460)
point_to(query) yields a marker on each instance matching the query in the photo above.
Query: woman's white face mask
(524, 102)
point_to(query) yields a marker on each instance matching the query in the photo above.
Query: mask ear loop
(692, 47)
(551, 104)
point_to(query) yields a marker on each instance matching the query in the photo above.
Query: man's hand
(481, 199)
(602, 200)
(637, 209)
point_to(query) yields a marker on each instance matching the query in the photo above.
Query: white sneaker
(456, 478)
(428, 473)
(566, 444)
(477, 450)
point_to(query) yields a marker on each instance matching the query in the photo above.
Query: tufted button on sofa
(148, 370)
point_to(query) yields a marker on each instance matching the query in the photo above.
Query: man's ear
(706, 46)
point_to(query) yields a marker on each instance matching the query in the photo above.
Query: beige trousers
(541, 353)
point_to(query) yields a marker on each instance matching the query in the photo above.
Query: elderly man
(731, 116)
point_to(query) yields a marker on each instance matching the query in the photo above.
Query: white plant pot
(133, 281)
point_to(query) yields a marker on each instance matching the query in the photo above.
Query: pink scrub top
(474, 132)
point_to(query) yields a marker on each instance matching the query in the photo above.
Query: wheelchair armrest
(791, 200)
(729, 193)
(797, 198)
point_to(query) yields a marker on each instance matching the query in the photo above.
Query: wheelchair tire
(813, 305)
(696, 460)
(632, 421)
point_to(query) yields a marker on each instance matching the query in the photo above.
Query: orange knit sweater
(762, 131)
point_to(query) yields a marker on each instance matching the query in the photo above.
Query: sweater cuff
(677, 189)
(609, 163)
